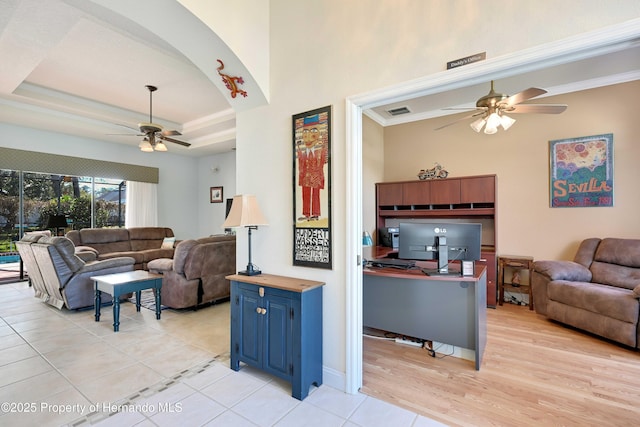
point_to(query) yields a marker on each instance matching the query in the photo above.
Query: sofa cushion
(614, 302)
(137, 256)
(105, 239)
(617, 263)
(160, 265)
(151, 254)
(181, 253)
(148, 237)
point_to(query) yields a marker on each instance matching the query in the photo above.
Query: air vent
(398, 111)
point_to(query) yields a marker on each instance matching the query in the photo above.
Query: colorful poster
(312, 188)
(582, 171)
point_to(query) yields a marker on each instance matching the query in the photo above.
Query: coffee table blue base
(119, 284)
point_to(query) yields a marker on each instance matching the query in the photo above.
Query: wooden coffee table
(118, 284)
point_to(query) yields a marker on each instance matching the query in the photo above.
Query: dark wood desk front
(446, 309)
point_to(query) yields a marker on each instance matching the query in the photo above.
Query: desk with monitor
(447, 309)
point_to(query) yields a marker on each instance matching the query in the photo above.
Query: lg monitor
(443, 242)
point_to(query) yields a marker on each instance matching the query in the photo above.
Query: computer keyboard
(404, 264)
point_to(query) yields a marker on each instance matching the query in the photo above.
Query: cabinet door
(445, 192)
(389, 194)
(250, 323)
(278, 336)
(416, 193)
(478, 190)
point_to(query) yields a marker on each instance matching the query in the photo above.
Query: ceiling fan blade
(175, 141)
(476, 114)
(128, 127)
(532, 92)
(537, 108)
(170, 133)
(125, 134)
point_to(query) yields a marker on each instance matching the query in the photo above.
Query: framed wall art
(216, 194)
(581, 171)
(312, 188)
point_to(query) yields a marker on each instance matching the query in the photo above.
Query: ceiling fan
(491, 109)
(153, 133)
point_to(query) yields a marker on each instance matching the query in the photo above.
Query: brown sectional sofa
(598, 291)
(143, 244)
(196, 274)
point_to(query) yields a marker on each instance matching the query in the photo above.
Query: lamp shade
(145, 146)
(244, 212)
(366, 239)
(57, 221)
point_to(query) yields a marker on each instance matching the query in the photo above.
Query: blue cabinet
(276, 326)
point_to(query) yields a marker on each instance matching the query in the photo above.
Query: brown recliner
(599, 291)
(196, 274)
(67, 278)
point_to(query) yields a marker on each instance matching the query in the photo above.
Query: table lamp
(245, 212)
(57, 221)
(366, 239)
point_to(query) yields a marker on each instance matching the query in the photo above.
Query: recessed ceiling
(83, 72)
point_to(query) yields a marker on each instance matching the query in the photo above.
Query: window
(28, 199)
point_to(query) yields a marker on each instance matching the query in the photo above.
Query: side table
(516, 262)
(118, 284)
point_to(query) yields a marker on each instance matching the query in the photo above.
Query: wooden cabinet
(276, 326)
(445, 192)
(416, 193)
(464, 197)
(390, 194)
(480, 189)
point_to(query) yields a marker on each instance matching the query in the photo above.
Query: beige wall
(372, 171)
(526, 225)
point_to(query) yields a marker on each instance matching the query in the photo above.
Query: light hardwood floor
(535, 372)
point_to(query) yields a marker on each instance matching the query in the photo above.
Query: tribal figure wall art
(312, 188)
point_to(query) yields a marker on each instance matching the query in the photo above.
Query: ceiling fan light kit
(493, 106)
(145, 146)
(154, 134)
(492, 122)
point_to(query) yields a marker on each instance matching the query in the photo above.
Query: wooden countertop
(278, 282)
(416, 273)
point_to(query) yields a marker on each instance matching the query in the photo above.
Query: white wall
(215, 171)
(325, 51)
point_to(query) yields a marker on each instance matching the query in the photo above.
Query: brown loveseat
(196, 274)
(598, 291)
(143, 244)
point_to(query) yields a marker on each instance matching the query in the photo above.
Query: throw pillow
(168, 242)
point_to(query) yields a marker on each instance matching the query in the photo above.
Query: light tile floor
(63, 368)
